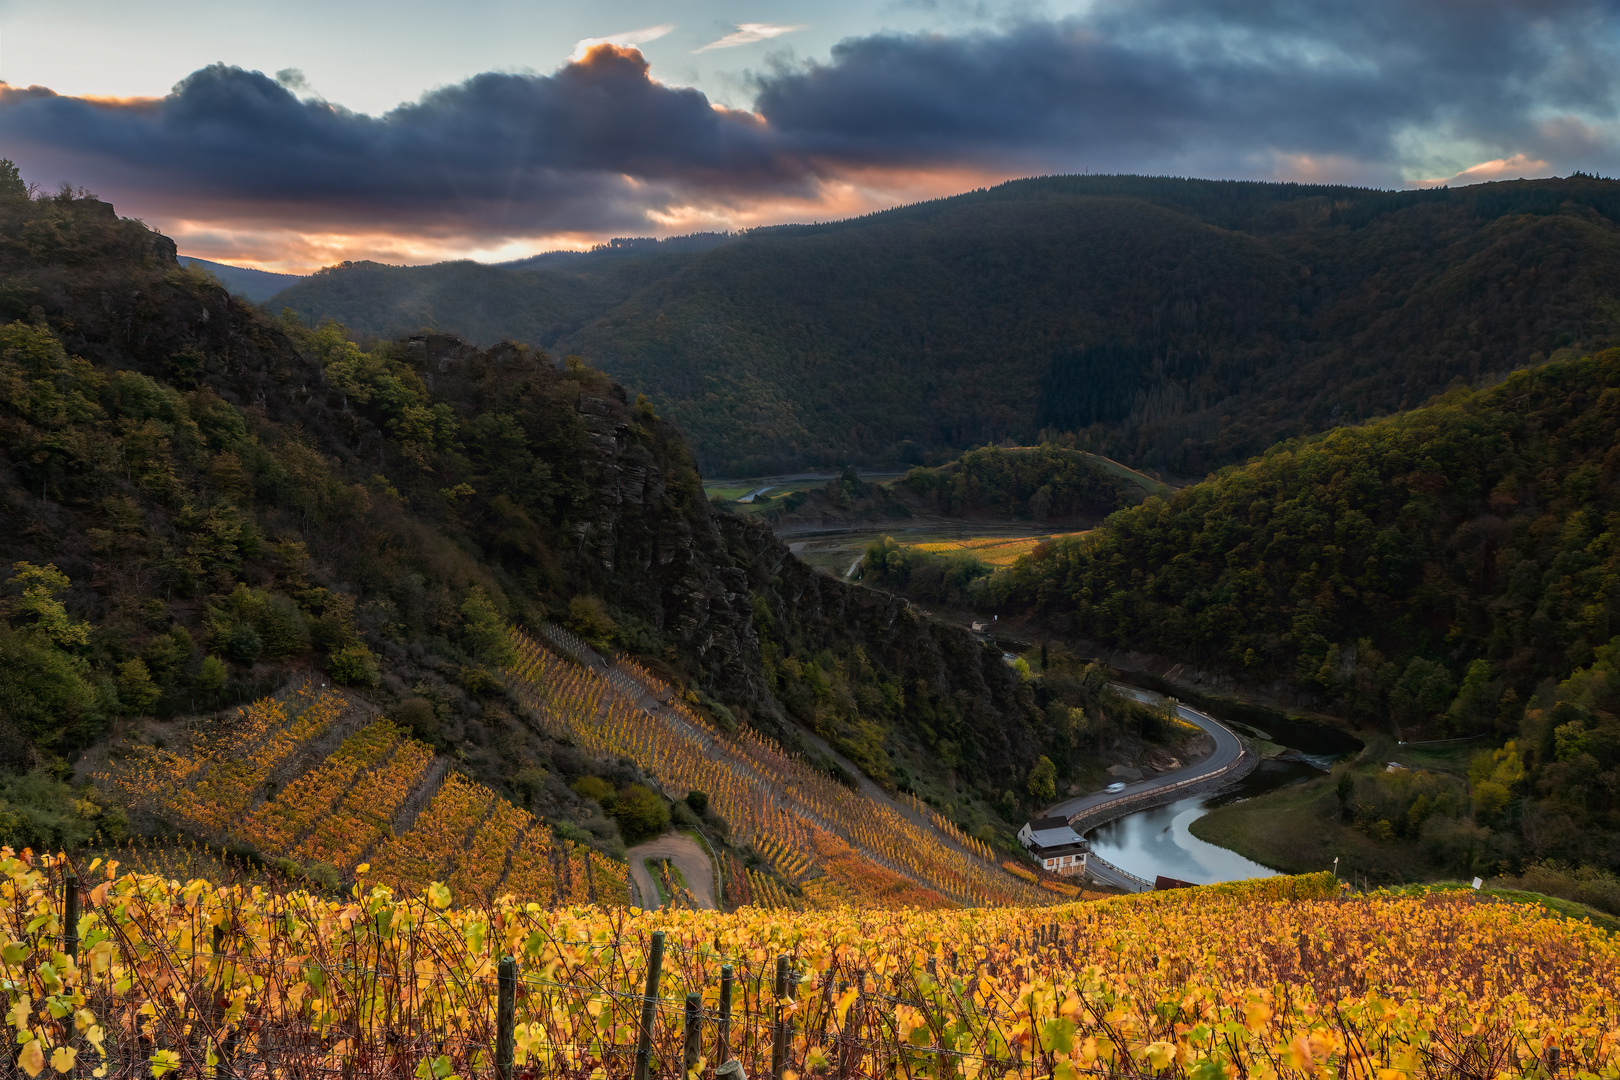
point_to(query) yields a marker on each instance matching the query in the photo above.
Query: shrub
(419, 716)
(1587, 885)
(353, 665)
(594, 787)
(640, 813)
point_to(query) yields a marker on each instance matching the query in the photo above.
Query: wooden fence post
(723, 1032)
(778, 1034)
(783, 1035)
(649, 1005)
(505, 1013)
(693, 1048)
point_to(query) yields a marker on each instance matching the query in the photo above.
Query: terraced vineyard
(263, 776)
(806, 825)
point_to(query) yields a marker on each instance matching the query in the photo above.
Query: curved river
(1157, 841)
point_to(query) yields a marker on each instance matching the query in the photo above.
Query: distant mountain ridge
(1179, 324)
(251, 284)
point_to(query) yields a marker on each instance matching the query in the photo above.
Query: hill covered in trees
(202, 503)
(1179, 324)
(1449, 572)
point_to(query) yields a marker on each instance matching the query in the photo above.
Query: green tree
(1422, 691)
(588, 617)
(37, 589)
(485, 630)
(1493, 777)
(46, 692)
(209, 681)
(1043, 780)
(136, 690)
(1475, 707)
(13, 189)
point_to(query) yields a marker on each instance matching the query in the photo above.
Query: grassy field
(835, 551)
(1299, 826)
(732, 490)
(1148, 484)
(994, 550)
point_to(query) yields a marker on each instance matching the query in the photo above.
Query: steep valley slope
(202, 503)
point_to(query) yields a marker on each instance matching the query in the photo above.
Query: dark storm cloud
(595, 145)
(1209, 85)
(1222, 87)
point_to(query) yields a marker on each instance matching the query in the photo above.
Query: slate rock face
(700, 577)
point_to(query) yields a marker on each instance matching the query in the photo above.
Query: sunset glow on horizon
(248, 168)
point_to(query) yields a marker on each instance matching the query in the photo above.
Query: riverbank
(1304, 826)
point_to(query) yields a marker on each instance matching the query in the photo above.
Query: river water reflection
(1157, 841)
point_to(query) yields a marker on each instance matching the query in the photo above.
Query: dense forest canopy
(1179, 324)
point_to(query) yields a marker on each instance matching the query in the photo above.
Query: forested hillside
(201, 503)
(1450, 571)
(1174, 323)
(1042, 483)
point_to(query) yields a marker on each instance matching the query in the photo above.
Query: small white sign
(1478, 882)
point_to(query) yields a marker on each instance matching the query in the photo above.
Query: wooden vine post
(722, 1051)
(505, 1012)
(649, 1005)
(692, 1048)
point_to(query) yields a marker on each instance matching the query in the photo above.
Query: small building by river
(1052, 843)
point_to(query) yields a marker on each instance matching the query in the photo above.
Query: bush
(683, 816)
(1587, 885)
(594, 787)
(353, 665)
(640, 813)
(39, 811)
(698, 801)
(588, 617)
(530, 783)
(478, 682)
(418, 715)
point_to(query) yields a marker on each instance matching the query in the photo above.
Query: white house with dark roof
(1052, 843)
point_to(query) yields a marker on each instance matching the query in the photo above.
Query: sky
(295, 134)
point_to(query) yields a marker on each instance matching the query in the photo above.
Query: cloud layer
(748, 33)
(1375, 91)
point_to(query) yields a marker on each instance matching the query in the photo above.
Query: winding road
(1228, 750)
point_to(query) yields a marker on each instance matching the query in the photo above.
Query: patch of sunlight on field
(994, 550)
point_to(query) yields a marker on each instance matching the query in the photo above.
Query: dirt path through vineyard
(687, 854)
